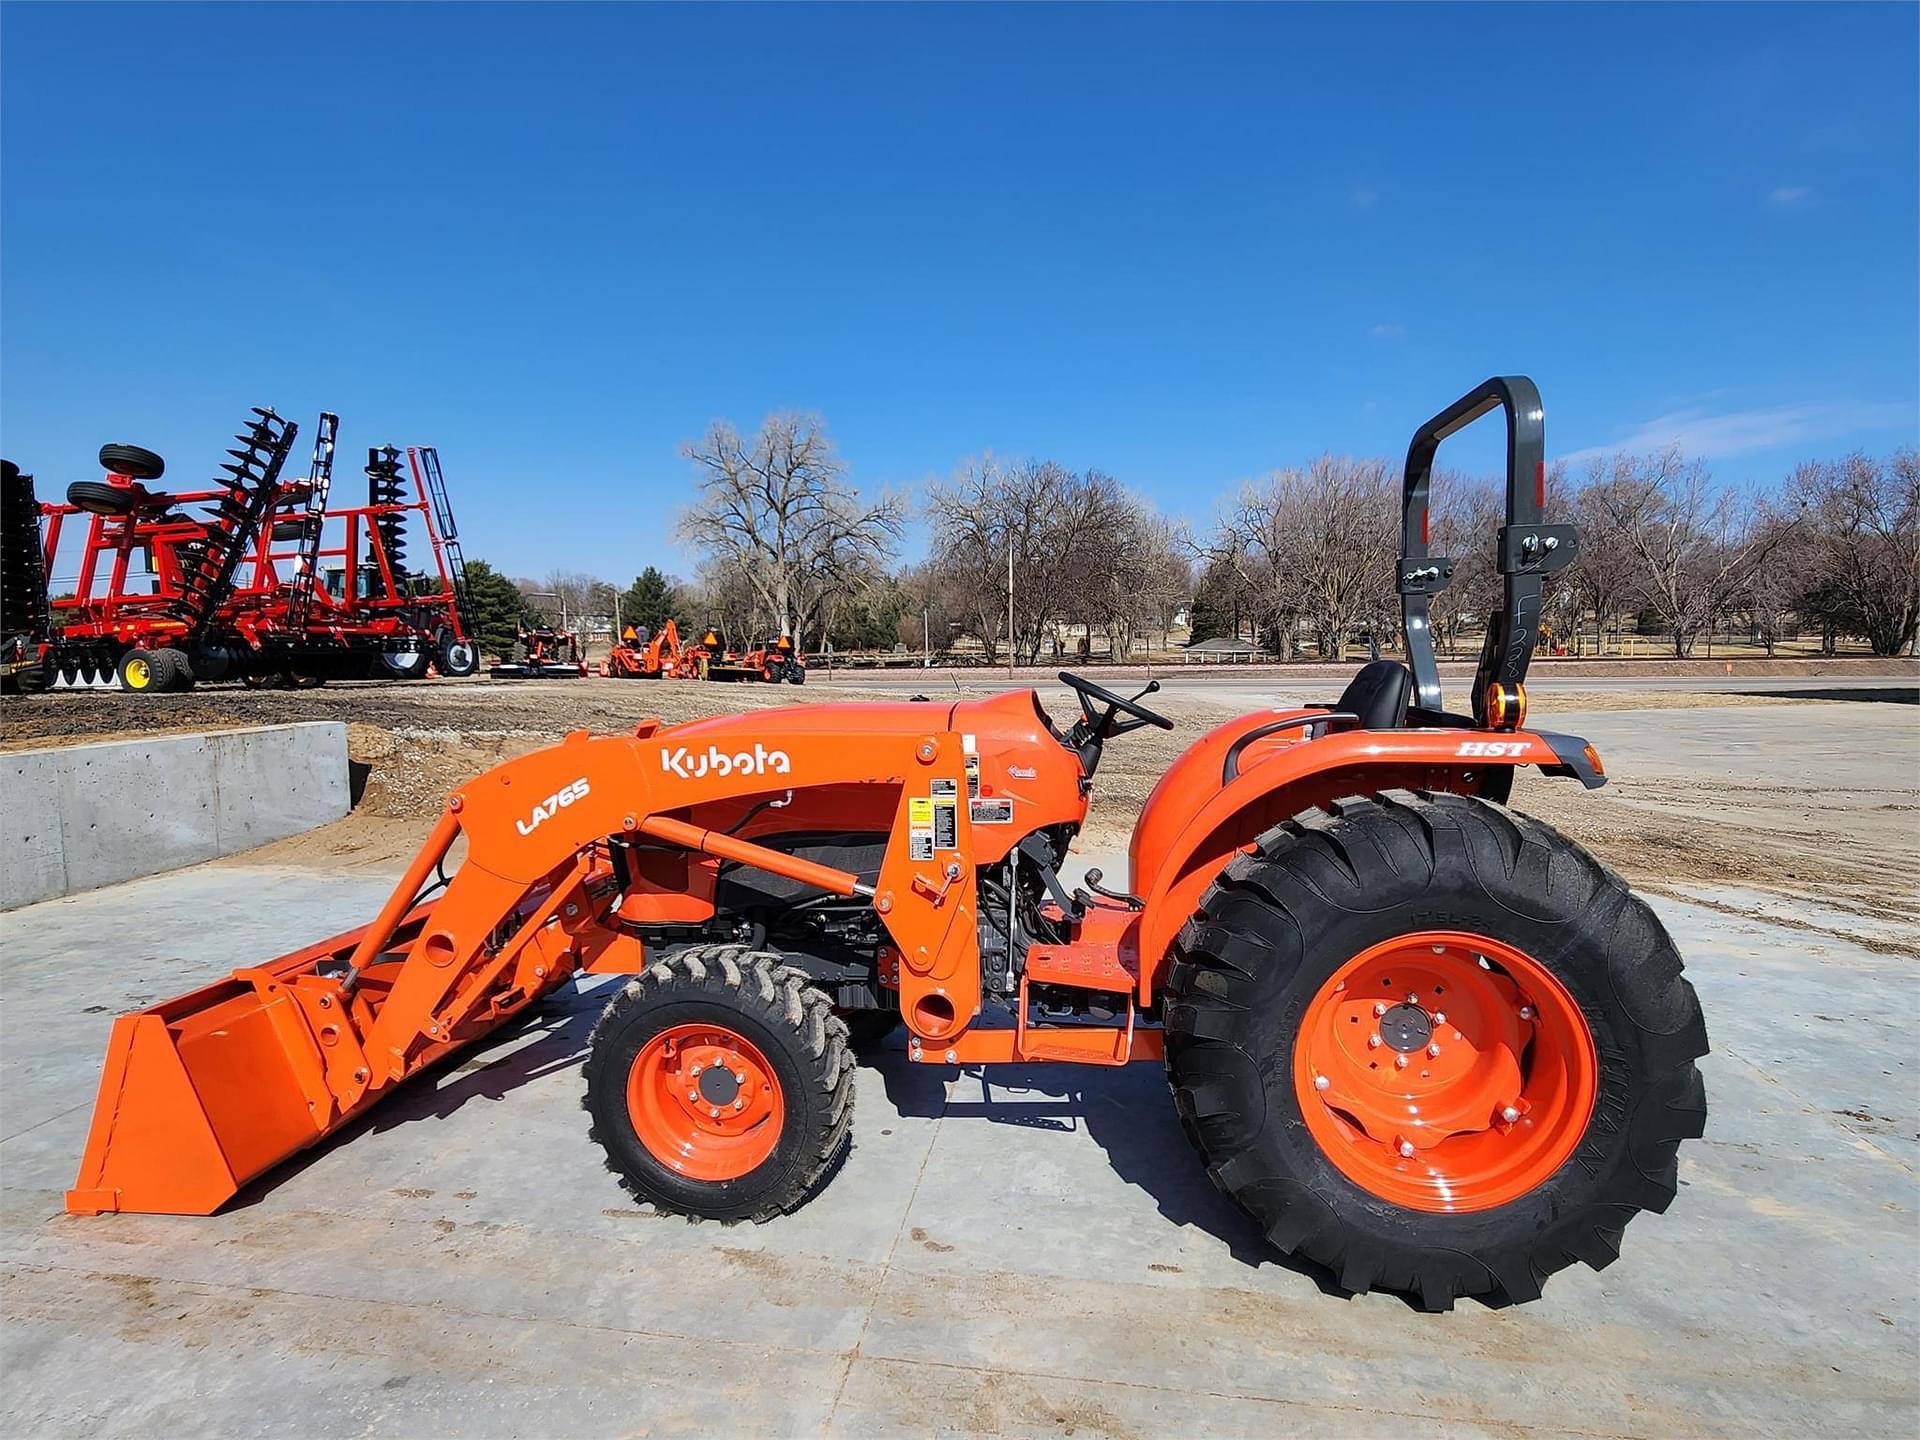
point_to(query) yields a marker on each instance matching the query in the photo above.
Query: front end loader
(1423, 1040)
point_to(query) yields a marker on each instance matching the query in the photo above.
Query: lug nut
(740, 1077)
(1320, 1082)
(1413, 998)
(1379, 1007)
(696, 1068)
(1510, 1115)
(694, 1095)
(739, 1104)
(1406, 1149)
(1399, 1062)
(1434, 1050)
(1526, 1012)
(1373, 1042)
(714, 1112)
(1439, 1017)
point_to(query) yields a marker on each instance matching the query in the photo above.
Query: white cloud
(1707, 436)
(1386, 331)
(1787, 197)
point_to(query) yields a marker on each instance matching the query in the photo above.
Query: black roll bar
(1528, 549)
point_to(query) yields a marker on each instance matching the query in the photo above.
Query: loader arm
(202, 1093)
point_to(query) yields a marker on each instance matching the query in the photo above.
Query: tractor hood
(1020, 776)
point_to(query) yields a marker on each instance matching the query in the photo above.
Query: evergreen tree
(495, 608)
(650, 601)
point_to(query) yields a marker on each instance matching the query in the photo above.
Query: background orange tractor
(1423, 1040)
(644, 655)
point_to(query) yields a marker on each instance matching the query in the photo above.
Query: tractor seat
(1379, 695)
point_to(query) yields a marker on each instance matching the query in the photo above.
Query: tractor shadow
(1125, 1110)
(559, 1026)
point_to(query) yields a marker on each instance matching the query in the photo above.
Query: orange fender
(1234, 784)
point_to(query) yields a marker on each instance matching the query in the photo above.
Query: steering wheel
(1102, 727)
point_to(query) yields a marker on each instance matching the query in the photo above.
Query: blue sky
(1185, 245)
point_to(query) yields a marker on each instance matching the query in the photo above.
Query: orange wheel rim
(705, 1102)
(1445, 1071)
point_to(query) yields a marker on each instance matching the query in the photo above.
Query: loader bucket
(204, 1092)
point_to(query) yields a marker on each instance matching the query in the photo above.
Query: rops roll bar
(1528, 550)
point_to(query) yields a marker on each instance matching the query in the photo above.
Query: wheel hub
(718, 1085)
(1406, 1028)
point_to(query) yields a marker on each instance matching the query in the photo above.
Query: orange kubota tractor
(1422, 1039)
(644, 656)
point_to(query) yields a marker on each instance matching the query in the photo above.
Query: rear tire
(787, 1042)
(1274, 940)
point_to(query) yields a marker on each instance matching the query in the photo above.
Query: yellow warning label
(919, 811)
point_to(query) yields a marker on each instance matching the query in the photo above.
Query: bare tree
(777, 512)
(1606, 574)
(582, 601)
(1697, 543)
(1863, 519)
(1041, 516)
(1328, 538)
(1464, 513)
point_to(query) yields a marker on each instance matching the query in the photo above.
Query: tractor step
(1085, 966)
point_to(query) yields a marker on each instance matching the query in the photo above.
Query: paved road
(1034, 1253)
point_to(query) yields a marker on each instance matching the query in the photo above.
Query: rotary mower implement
(1422, 1040)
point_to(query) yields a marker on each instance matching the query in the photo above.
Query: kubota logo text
(552, 806)
(715, 761)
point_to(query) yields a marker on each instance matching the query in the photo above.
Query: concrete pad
(1027, 1253)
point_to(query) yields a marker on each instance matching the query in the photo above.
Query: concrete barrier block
(81, 816)
(131, 807)
(276, 781)
(31, 863)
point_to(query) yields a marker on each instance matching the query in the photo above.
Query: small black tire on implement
(179, 670)
(146, 672)
(404, 664)
(798, 1048)
(97, 497)
(133, 461)
(1260, 976)
(455, 657)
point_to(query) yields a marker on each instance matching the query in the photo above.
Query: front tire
(720, 1085)
(1548, 1111)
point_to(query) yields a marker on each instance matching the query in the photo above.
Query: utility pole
(1010, 639)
